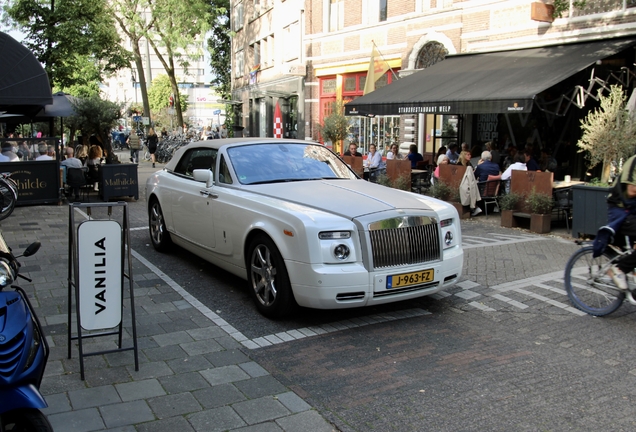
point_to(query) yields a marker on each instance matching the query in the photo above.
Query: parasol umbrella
(24, 85)
(62, 106)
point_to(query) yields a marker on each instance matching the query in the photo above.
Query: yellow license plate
(408, 279)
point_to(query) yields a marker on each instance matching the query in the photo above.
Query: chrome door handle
(208, 194)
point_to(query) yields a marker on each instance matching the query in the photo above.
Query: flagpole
(387, 63)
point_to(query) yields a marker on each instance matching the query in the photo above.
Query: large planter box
(589, 209)
(118, 180)
(38, 181)
(540, 223)
(464, 211)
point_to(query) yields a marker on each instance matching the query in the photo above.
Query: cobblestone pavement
(192, 377)
(502, 350)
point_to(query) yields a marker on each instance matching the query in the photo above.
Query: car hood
(347, 198)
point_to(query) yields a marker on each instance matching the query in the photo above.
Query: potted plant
(540, 205)
(335, 126)
(508, 204)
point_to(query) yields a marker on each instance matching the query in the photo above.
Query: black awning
(24, 85)
(498, 82)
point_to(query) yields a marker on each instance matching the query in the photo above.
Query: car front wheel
(158, 232)
(269, 282)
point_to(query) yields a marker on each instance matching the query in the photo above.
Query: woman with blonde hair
(464, 158)
(93, 162)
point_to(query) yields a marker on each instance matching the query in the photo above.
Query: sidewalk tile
(183, 382)
(293, 402)
(174, 405)
(93, 397)
(223, 394)
(305, 421)
(126, 413)
(224, 374)
(216, 420)
(77, 421)
(171, 424)
(261, 386)
(140, 390)
(260, 410)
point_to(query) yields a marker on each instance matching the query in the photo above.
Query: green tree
(608, 132)
(64, 34)
(335, 126)
(177, 26)
(95, 116)
(219, 47)
(160, 92)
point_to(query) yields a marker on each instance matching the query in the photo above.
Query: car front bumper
(351, 285)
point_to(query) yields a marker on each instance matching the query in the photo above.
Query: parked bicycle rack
(99, 253)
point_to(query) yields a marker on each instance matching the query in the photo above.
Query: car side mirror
(204, 175)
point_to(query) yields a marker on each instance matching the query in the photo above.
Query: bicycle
(588, 285)
(8, 195)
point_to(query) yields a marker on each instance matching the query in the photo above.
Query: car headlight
(341, 252)
(6, 274)
(449, 235)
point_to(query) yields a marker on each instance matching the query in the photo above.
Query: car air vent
(447, 278)
(350, 296)
(13, 300)
(404, 241)
(10, 354)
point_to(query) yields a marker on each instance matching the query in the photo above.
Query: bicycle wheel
(8, 198)
(589, 287)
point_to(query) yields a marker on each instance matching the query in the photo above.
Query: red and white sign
(278, 122)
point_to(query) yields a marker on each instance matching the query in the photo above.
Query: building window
(238, 16)
(336, 15)
(383, 10)
(328, 86)
(257, 8)
(292, 34)
(431, 53)
(256, 53)
(240, 63)
(268, 53)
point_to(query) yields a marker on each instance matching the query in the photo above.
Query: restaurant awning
(24, 85)
(489, 83)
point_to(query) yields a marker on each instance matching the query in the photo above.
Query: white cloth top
(515, 166)
(375, 160)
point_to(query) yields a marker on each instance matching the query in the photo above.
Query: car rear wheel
(269, 280)
(158, 232)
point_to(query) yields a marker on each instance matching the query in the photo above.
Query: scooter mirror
(32, 249)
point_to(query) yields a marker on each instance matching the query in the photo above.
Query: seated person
(531, 164)
(548, 163)
(8, 151)
(353, 150)
(441, 160)
(452, 154)
(43, 150)
(374, 162)
(393, 153)
(464, 159)
(486, 167)
(414, 156)
(475, 152)
(71, 161)
(519, 164)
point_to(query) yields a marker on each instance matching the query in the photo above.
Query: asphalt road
(502, 351)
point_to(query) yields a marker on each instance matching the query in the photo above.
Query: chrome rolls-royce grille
(404, 241)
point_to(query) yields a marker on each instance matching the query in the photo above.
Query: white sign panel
(100, 274)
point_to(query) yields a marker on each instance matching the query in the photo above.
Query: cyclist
(621, 218)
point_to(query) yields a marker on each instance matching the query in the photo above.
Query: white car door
(192, 203)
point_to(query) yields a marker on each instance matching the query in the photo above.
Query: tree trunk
(142, 78)
(606, 172)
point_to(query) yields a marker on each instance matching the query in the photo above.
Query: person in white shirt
(374, 159)
(519, 164)
(43, 150)
(393, 153)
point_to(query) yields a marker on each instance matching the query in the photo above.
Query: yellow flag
(377, 68)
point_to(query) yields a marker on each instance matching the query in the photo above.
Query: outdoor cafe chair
(489, 191)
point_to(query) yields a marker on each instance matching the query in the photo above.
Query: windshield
(285, 162)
